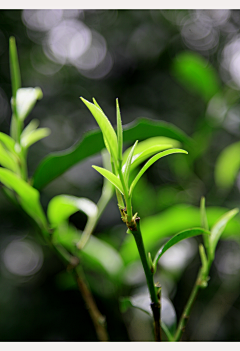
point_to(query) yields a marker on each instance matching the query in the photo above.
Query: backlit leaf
(127, 165)
(34, 136)
(111, 177)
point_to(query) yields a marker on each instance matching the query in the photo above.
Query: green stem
(200, 283)
(155, 304)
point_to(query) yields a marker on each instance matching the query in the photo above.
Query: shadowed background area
(177, 66)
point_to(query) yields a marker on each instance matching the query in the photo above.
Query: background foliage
(181, 67)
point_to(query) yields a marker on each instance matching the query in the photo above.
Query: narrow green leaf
(204, 261)
(34, 136)
(227, 166)
(26, 99)
(219, 227)
(119, 132)
(8, 142)
(204, 222)
(150, 162)
(92, 142)
(185, 234)
(63, 206)
(127, 165)
(111, 177)
(14, 67)
(32, 125)
(28, 196)
(106, 128)
(8, 160)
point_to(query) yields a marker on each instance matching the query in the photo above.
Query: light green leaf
(28, 196)
(119, 131)
(219, 227)
(30, 127)
(106, 128)
(127, 165)
(26, 99)
(150, 162)
(8, 160)
(63, 206)
(34, 136)
(8, 142)
(227, 166)
(185, 234)
(111, 177)
(14, 67)
(204, 221)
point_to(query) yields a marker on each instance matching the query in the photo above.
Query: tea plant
(75, 247)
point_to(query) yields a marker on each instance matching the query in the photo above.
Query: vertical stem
(155, 304)
(97, 318)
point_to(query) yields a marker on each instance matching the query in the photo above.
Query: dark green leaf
(57, 163)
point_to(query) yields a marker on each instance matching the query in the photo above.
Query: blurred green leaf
(119, 131)
(171, 221)
(34, 136)
(219, 227)
(25, 101)
(28, 196)
(106, 128)
(195, 73)
(63, 206)
(185, 234)
(151, 161)
(8, 160)
(227, 166)
(8, 142)
(111, 177)
(32, 125)
(14, 67)
(57, 163)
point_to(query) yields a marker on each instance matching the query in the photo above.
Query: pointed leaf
(150, 162)
(63, 206)
(185, 234)
(111, 177)
(34, 136)
(227, 166)
(219, 227)
(14, 67)
(55, 164)
(8, 160)
(8, 142)
(26, 99)
(28, 196)
(30, 127)
(119, 131)
(127, 165)
(105, 126)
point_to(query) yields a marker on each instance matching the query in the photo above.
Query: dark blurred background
(134, 55)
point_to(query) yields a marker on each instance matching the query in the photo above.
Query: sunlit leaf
(57, 163)
(119, 131)
(105, 126)
(111, 177)
(196, 74)
(151, 161)
(34, 136)
(28, 196)
(127, 165)
(8, 142)
(185, 234)
(227, 166)
(8, 160)
(63, 206)
(26, 99)
(219, 227)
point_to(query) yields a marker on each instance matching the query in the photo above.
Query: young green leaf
(111, 177)
(63, 206)
(8, 142)
(204, 221)
(26, 99)
(127, 165)
(219, 227)
(14, 67)
(106, 128)
(28, 196)
(119, 131)
(34, 136)
(185, 234)
(8, 160)
(150, 162)
(32, 125)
